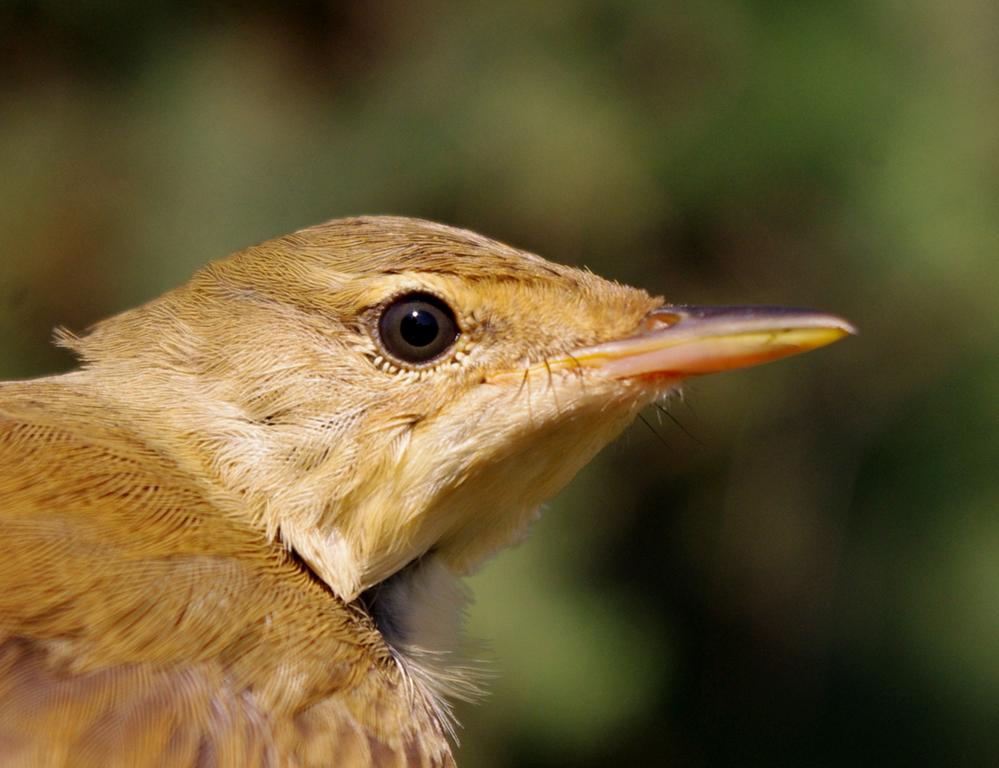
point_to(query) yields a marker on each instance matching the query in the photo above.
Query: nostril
(659, 318)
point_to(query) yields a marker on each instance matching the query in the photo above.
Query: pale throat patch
(329, 554)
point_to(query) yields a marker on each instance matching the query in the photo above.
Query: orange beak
(680, 341)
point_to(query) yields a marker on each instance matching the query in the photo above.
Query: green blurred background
(813, 577)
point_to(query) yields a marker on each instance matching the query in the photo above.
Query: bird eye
(417, 327)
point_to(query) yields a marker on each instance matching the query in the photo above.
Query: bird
(235, 534)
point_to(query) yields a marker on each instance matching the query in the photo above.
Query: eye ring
(417, 328)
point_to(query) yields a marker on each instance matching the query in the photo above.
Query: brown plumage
(229, 538)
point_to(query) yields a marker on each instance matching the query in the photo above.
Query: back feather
(141, 626)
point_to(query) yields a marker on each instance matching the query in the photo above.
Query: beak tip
(841, 328)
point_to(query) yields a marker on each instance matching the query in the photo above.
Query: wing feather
(140, 626)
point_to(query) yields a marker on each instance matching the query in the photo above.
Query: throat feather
(420, 612)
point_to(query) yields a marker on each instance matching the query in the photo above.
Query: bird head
(372, 391)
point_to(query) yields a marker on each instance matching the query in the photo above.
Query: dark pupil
(419, 328)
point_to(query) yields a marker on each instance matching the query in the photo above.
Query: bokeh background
(803, 568)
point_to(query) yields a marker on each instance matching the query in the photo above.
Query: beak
(680, 341)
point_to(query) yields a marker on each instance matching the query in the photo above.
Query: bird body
(220, 531)
(141, 627)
